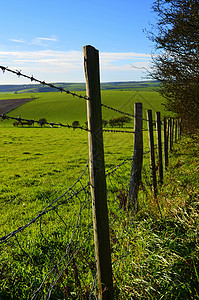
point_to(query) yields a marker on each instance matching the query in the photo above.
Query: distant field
(36, 88)
(57, 107)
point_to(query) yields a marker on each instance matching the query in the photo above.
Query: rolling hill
(37, 88)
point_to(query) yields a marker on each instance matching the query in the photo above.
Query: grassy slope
(165, 252)
(39, 164)
(57, 107)
(163, 257)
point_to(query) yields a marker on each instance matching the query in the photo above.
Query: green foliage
(119, 121)
(176, 63)
(42, 121)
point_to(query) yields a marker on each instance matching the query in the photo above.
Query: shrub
(75, 124)
(42, 121)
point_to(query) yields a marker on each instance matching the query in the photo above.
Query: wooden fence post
(172, 130)
(170, 134)
(97, 174)
(166, 158)
(159, 141)
(180, 128)
(176, 130)
(152, 152)
(136, 168)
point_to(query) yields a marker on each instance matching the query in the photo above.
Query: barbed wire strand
(117, 131)
(31, 121)
(31, 78)
(61, 89)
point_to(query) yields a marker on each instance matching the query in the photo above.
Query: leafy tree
(119, 121)
(75, 124)
(176, 63)
(42, 121)
(124, 119)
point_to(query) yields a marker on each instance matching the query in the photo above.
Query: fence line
(32, 121)
(77, 246)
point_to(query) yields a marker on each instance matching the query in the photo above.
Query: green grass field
(57, 107)
(154, 255)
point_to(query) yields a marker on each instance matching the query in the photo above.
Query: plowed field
(10, 104)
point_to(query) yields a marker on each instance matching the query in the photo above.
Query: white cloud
(17, 41)
(42, 41)
(40, 56)
(67, 65)
(123, 55)
(58, 57)
(47, 39)
(108, 58)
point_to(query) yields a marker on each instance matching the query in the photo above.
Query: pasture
(57, 107)
(36, 162)
(150, 253)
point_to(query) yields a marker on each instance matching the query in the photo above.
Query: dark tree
(42, 121)
(119, 121)
(176, 61)
(75, 124)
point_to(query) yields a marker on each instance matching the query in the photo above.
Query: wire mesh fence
(52, 255)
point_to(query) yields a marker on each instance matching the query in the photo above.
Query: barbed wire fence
(65, 264)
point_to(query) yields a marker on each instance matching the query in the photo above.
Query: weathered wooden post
(170, 133)
(97, 174)
(176, 130)
(152, 152)
(180, 128)
(166, 158)
(159, 142)
(136, 168)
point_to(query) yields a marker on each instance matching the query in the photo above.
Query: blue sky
(45, 38)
